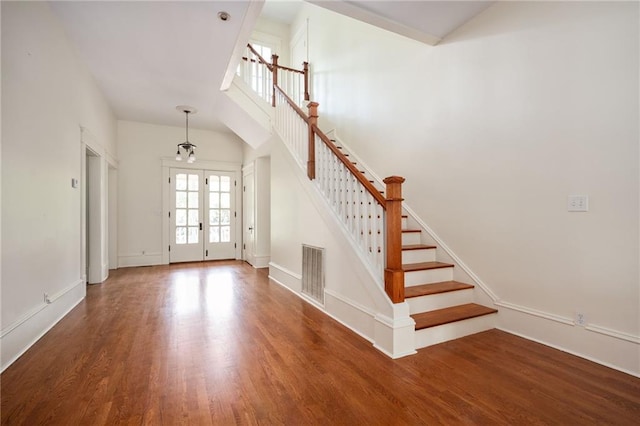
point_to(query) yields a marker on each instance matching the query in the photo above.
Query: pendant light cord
(186, 116)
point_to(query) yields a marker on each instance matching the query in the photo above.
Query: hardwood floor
(218, 343)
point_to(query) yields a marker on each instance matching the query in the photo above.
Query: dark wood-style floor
(217, 343)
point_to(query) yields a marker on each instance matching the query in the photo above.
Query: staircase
(443, 309)
(389, 240)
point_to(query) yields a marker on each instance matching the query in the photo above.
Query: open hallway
(219, 343)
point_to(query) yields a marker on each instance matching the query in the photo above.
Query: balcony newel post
(393, 273)
(313, 121)
(305, 68)
(274, 70)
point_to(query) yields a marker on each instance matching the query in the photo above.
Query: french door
(202, 216)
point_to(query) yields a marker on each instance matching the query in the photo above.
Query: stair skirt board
(432, 302)
(454, 330)
(427, 276)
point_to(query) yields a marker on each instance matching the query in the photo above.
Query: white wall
(300, 215)
(47, 94)
(142, 147)
(493, 129)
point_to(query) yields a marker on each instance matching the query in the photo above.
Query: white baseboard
(261, 261)
(258, 261)
(620, 351)
(310, 301)
(147, 259)
(394, 338)
(285, 277)
(20, 335)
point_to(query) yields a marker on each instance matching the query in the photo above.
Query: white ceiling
(149, 56)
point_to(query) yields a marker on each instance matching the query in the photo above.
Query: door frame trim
(222, 166)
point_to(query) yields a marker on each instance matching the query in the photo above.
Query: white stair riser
(417, 256)
(410, 238)
(404, 222)
(428, 276)
(439, 301)
(455, 330)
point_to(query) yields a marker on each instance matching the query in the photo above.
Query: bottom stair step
(449, 315)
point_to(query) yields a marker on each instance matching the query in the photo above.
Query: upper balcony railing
(262, 76)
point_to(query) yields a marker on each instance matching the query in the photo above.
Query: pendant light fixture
(186, 146)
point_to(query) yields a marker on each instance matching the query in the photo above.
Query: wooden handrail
(293, 105)
(348, 164)
(260, 57)
(375, 193)
(269, 65)
(282, 67)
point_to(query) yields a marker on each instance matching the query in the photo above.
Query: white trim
(286, 271)
(139, 259)
(206, 165)
(261, 261)
(321, 308)
(568, 321)
(578, 354)
(392, 356)
(360, 13)
(613, 333)
(394, 326)
(29, 314)
(354, 304)
(534, 312)
(20, 335)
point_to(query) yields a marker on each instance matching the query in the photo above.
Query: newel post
(274, 70)
(393, 273)
(313, 121)
(305, 68)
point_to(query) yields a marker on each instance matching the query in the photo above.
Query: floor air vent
(313, 272)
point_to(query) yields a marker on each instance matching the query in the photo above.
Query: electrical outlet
(581, 319)
(46, 299)
(578, 203)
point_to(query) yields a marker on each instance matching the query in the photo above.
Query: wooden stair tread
(449, 315)
(417, 247)
(435, 288)
(422, 266)
(411, 230)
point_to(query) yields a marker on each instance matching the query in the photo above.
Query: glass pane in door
(187, 212)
